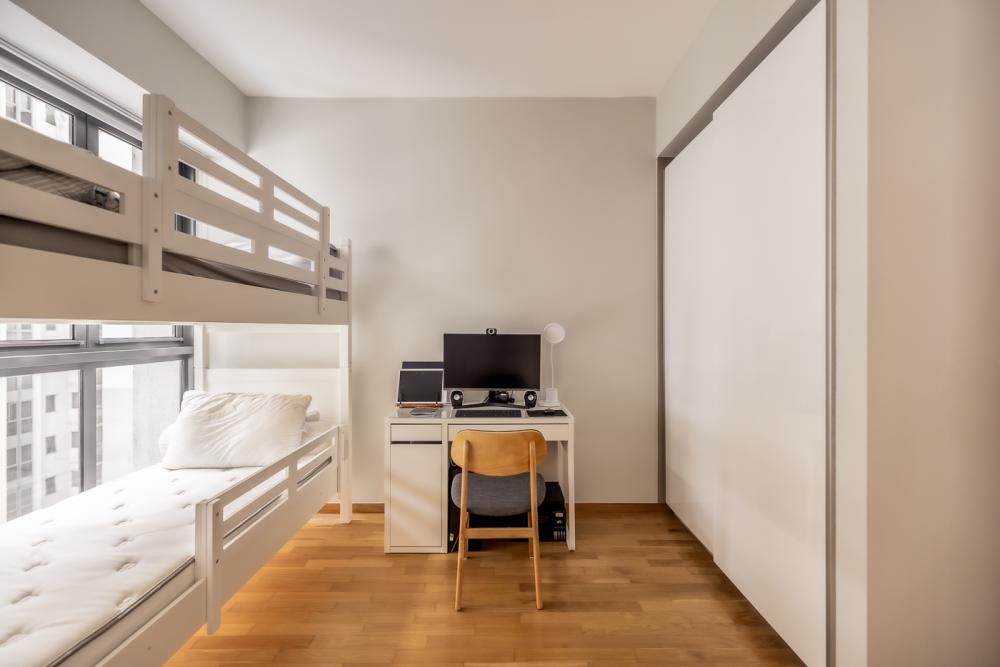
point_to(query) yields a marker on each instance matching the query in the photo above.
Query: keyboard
(487, 413)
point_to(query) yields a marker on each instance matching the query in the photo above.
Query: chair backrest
(497, 452)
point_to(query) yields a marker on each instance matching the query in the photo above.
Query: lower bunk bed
(123, 574)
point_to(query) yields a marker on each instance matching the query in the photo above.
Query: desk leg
(344, 471)
(571, 496)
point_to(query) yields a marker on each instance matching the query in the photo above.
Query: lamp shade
(554, 333)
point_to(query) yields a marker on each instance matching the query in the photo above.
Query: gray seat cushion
(498, 496)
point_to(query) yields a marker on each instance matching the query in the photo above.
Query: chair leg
(537, 558)
(463, 549)
(531, 547)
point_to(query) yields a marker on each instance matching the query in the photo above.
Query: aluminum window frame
(87, 353)
(86, 125)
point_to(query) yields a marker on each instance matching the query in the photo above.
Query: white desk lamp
(554, 334)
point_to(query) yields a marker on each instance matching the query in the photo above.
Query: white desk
(417, 457)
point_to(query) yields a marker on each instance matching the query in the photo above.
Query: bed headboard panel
(323, 384)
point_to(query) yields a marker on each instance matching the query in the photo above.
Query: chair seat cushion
(498, 496)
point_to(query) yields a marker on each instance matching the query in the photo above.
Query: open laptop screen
(420, 387)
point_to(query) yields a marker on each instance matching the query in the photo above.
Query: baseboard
(621, 508)
(581, 508)
(360, 508)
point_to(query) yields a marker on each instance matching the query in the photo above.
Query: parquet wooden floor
(640, 590)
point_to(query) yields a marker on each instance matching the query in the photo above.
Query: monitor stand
(494, 397)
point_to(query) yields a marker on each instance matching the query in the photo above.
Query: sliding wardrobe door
(744, 333)
(696, 304)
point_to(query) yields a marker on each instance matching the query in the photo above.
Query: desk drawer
(415, 433)
(550, 431)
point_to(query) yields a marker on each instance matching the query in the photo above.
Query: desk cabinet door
(416, 485)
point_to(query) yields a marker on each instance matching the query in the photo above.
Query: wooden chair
(496, 468)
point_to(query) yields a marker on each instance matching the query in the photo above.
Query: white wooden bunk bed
(82, 239)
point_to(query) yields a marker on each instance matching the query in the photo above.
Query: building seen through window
(45, 442)
(32, 112)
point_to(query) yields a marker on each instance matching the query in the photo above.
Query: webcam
(491, 331)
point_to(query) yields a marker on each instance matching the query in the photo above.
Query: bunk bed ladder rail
(231, 546)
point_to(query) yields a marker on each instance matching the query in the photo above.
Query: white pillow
(164, 440)
(229, 430)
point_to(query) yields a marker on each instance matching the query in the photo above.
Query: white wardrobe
(744, 336)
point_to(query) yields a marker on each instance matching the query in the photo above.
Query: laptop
(420, 387)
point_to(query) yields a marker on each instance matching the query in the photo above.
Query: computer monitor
(492, 361)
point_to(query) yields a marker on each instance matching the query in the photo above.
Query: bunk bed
(206, 234)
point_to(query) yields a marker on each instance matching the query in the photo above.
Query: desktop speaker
(530, 399)
(456, 398)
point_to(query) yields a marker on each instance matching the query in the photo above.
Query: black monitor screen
(499, 361)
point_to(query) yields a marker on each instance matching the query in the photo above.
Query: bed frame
(279, 222)
(231, 547)
(50, 285)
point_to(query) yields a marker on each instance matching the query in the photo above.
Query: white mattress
(72, 569)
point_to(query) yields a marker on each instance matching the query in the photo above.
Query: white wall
(934, 327)
(133, 41)
(509, 213)
(733, 29)
(745, 337)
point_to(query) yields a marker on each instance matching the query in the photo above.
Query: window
(118, 151)
(136, 404)
(133, 331)
(17, 331)
(41, 104)
(28, 467)
(133, 389)
(28, 110)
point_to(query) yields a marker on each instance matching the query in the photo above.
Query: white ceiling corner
(440, 48)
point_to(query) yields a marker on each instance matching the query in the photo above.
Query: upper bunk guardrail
(236, 211)
(23, 201)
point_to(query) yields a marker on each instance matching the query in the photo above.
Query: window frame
(86, 126)
(79, 117)
(35, 77)
(85, 354)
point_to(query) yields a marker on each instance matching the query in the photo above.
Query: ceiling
(440, 48)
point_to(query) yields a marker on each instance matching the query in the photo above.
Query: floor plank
(640, 590)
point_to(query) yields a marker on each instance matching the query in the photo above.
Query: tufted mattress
(84, 567)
